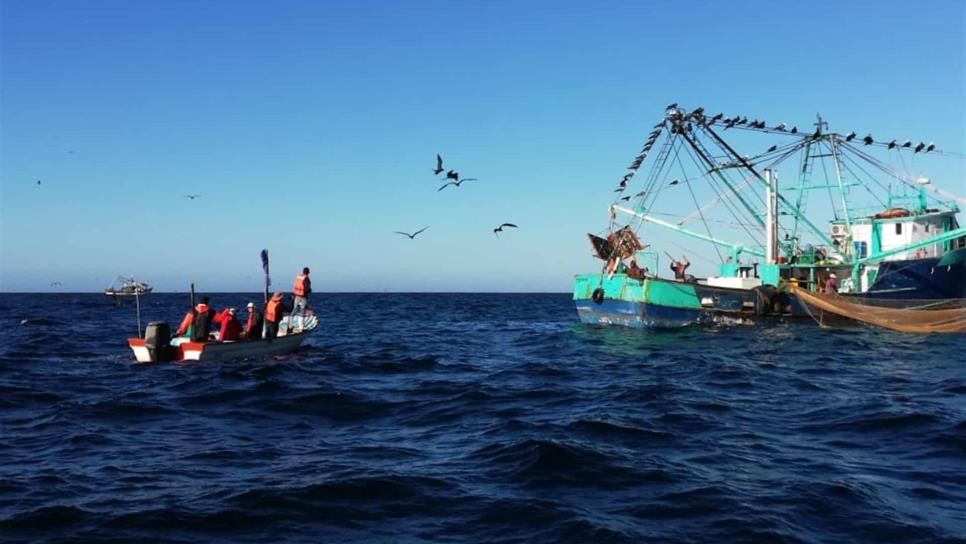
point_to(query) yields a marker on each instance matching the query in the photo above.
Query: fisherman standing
(302, 290)
(678, 267)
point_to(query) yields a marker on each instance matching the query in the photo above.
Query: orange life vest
(271, 310)
(299, 288)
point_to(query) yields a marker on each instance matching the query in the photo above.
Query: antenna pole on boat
(192, 299)
(137, 304)
(771, 223)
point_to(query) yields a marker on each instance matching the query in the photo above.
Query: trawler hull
(932, 278)
(659, 303)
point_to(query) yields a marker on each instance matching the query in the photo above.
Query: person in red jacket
(230, 326)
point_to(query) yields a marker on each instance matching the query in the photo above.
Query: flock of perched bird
(456, 182)
(673, 114)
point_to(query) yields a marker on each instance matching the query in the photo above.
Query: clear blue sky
(310, 127)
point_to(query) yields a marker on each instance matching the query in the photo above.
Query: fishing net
(948, 320)
(622, 243)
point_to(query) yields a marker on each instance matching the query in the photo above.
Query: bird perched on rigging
(930, 147)
(439, 165)
(780, 128)
(671, 106)
(794, 130)
(625, 198)
(920, 147)
(499, 229)
(675, 182)
(850, 137)
(868, 140)
(908, 143)
(413, 235)
(891, 144)
(772, 148)
(457, 183)
(192, 197)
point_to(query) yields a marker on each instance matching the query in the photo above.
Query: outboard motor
(157, 338)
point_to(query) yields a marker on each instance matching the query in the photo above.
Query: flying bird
(38, 182)
(55, 284)
(499, 229)
(456, 183)
(453, 175)
(413, 235)
(439, 165)
(192, 197)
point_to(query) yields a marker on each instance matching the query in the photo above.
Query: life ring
(597, 296)
(893, 212)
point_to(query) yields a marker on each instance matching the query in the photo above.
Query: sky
(311, 128)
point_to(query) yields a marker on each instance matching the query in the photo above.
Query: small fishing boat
(157, 345)
(129, 287)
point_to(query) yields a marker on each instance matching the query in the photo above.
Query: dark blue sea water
(480, 418)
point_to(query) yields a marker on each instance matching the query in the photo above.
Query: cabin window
(860, 249)
(898, 228)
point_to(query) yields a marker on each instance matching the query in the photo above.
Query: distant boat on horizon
(129, 287)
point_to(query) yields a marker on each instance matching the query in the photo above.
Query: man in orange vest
(302, 290)
(274, 310)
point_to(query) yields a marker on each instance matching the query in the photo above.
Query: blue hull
(920, 279)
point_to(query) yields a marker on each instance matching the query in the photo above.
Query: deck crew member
(831, 286)
(230, 326)
(273, 315)
(253, 326)
(302, 290)
(678, 267)
(197, 322)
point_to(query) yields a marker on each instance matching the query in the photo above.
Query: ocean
(477, 418)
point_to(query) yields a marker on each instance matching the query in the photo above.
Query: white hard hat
(832, 275)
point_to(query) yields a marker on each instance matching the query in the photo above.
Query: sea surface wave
(477, 417)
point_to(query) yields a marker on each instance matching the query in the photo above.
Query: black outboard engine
(157, 338)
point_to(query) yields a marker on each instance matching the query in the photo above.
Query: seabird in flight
(413, 235)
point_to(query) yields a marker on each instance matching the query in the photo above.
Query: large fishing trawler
(889, 237)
